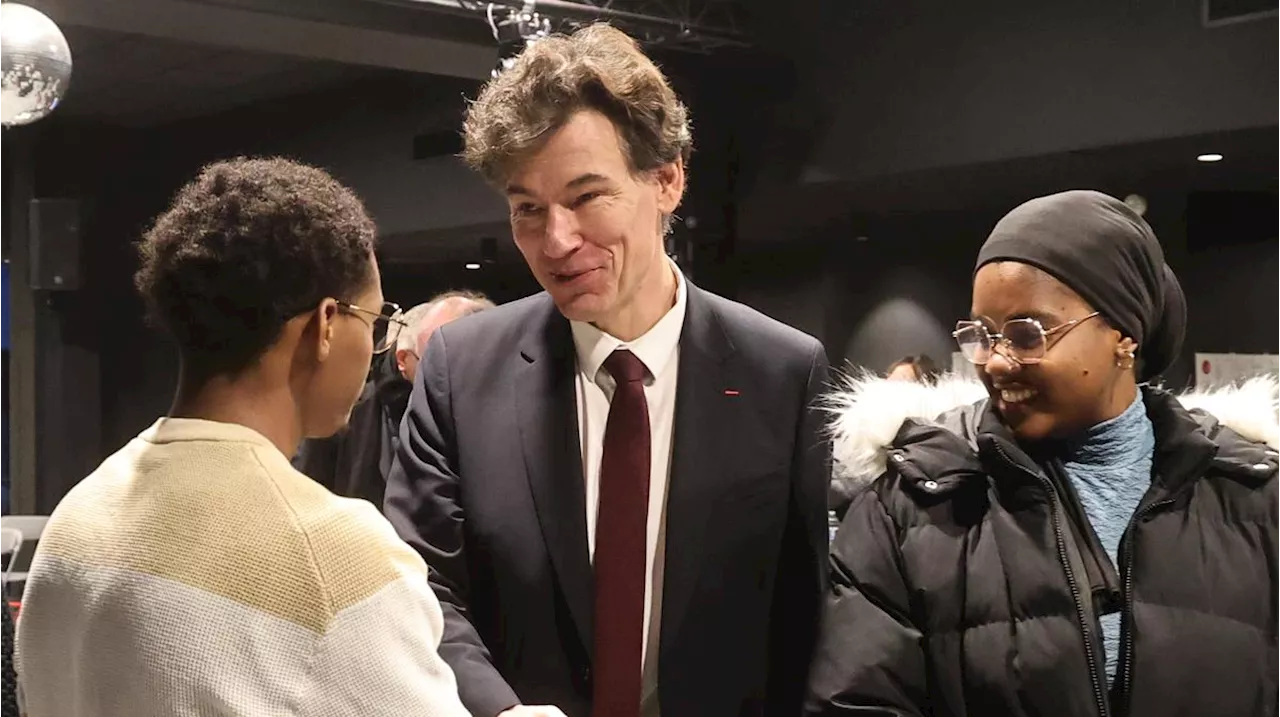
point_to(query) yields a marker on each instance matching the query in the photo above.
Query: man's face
(589, 229)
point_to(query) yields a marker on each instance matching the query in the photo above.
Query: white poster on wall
(1214, 370)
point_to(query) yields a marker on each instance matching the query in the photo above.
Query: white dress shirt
(659, 350)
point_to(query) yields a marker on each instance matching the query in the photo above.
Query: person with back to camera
(1079, 542)
(195, 572)
(620, 482)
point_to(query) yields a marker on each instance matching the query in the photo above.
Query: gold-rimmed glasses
(1024, 341)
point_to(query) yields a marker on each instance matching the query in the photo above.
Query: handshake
(533, 711)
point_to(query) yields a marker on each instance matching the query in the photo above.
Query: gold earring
(1127, 355)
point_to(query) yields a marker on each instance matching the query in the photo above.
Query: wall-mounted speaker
(55, 244)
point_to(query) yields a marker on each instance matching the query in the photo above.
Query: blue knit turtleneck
(1111, 471)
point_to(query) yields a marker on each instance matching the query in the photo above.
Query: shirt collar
(654, 348)
(176, 430)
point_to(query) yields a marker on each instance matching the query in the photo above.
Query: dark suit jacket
(488, 487)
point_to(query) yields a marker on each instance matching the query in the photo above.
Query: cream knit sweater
(197, 573)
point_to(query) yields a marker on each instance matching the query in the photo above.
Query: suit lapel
(548, 419)
(704, 423)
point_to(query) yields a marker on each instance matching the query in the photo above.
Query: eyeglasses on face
(386, 324)
(1024, 341)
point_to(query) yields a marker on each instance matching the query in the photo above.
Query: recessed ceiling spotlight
(472, 265)
(1210, 157)
(1137, 203)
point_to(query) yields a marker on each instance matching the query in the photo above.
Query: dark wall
(900, 291)
(408, 285)
(1233, 297)
(122, 179)
(948, 83)
(871, 289)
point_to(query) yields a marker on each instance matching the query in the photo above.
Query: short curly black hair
(247, 245)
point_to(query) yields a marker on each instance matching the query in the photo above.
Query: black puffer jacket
(964, 581)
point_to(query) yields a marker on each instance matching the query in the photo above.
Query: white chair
(31, 526)
(10, 546)
(16, 531)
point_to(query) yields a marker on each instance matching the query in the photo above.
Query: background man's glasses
(1024, 341)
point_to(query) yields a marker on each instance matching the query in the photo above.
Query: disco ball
(35, 65)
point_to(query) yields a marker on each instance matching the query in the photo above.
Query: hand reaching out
(533, 711)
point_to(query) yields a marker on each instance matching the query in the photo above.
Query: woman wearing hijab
(1078, 541)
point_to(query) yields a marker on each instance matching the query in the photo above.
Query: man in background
(356, 461)
(423, 320)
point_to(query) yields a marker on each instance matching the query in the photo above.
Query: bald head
(442, 312)
(439, 311)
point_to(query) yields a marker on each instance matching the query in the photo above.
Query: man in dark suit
(619, 483)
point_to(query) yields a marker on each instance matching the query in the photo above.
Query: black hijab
(1107, 254)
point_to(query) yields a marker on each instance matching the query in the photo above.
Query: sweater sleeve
(379, 657)
(378, 653)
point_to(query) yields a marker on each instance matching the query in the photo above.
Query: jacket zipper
(1125, 668)
(1126, 631)
(1099, 695)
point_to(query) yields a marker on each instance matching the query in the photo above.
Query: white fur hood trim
(867, 412)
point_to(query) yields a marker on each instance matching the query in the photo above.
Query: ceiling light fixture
(473, 266)
(1211, 157)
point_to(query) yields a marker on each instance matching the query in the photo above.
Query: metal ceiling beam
(668, 28)
(243, 29)
(371, 16)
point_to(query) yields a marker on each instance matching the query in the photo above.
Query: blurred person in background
(195, 572)
(439, 310)
(920, 369)
(1076, 542)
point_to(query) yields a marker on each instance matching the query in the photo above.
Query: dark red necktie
(621, 521)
